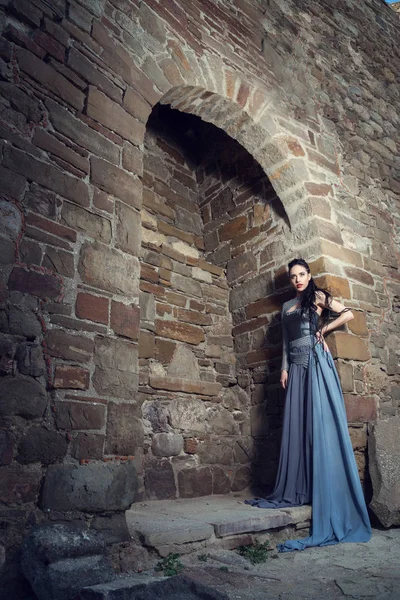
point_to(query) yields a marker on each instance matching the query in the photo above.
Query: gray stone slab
(235, 522)
(149, 588)
(174, 530)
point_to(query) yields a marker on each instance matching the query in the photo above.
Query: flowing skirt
(316, 461)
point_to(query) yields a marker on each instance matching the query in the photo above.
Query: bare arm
(337, 307)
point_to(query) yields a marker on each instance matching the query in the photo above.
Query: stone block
(358, 325)
(22, 396)
(6, 447)
(232, 229)
(159, 480)
(51, 79)
(30, 360)
(147, 346)
(51, 144)
(79, 415)
(189, 415)
(113, 528)
(195, 482)
(148, 588)
(250, 291)
(86, 69)
(71, 377)
(93, 308)
(241, 479)
(34, 283)
(77, 131)
(337, 286)
(124, 429)
(345, 372)
(42, 446)
(116, 372)
(348, 346)
(59, 261)
(128, 234)
(24, 322)
(87, 446)
(116, 181)
(178, 384)
(358, 436)
(186, 284)
(68, 346)
(113, 116)
(193, 316)
(19, 484)
(108, 269)
(180, 331)
(214, 451)
(241, 266)
(167, 444)
(360, 409)
(89, 488)
(12, 184)
(125, 319)
(384, 461)
(221, 481)
(184, 364)
(89, 223)
(46, 175)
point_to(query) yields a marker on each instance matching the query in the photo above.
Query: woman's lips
(299, 285)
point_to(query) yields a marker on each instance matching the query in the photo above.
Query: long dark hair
(307, 304)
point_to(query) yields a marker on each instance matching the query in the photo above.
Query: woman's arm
(345, 314)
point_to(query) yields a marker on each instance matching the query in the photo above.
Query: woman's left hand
(321, 340)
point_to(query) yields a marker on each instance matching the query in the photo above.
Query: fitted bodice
(297, 326)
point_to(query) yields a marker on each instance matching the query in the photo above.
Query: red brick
(115, 181)
(180, 331)
(233, 228)
(192, 316)
(71, 377)
(125, 319)
(51, 227)
(360, 409)
(32, 282)
(46, 175)
(190, 445)
(79, 415)
(50, 78)
(71, 347)
(92, 308)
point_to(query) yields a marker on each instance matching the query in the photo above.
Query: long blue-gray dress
(316, 463)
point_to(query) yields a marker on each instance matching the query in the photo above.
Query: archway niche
(209, 352)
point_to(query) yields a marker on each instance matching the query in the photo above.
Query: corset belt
(299, 350)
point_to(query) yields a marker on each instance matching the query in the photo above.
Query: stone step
(142, 587)
(173, 523)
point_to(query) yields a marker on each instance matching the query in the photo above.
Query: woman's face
(299, 278)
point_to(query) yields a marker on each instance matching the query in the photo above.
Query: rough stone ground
(360, 571)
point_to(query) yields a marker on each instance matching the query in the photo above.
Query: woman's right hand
(284, 378)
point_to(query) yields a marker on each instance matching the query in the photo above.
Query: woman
(316, 463)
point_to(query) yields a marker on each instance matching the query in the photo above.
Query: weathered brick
(241, 266)
(90, 224)
(186, 284)
(85, 68)
(337, 286)
(68, 346)
(93, 308)
(79, 415)
(43, 446)
(177, 384)
(146, 344)
(11, 184)
(136, 105)
(108, 269)
(164, 350)
(48, 142)
(20, 484)
(112, 115)
(180, 331)
(103, 201)
(70, 377)
(172, 231)
(51, 45)
(116, 372)
(345, 345)
(192, 316)
(37, 284)
(124, 429)
(51, 227)
(59, 261)
(358, 325)
(361, 409)
(125, 319)
(88, 446)
(46, 175)
(132, 159)
(128, 231)
(359, 275)
(344, 254)
(23, 103)
(80, 133)
(49, 78)
(233, 228)
(115, 181)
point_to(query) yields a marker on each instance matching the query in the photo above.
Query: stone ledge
(177, 384)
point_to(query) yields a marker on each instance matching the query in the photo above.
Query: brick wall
(309, 91)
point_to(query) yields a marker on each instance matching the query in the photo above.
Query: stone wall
(96, 312)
